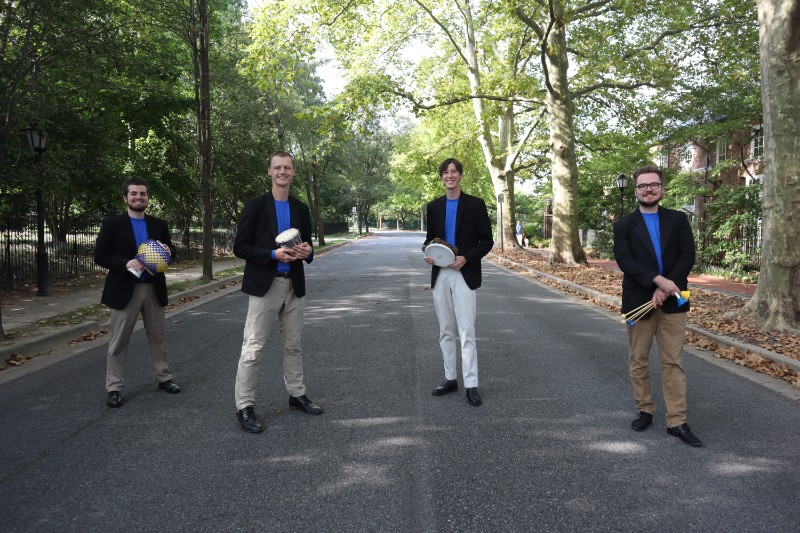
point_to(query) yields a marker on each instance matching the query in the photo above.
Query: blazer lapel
(269, 210)
(460, 211)
(665, 224)
(640, 230)
(292, 214)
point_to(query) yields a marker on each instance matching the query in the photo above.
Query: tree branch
(525, 136)
(339, 14)
(667, 33)
(444, 28)
(588, 7)
(419, 105)
(609, 85)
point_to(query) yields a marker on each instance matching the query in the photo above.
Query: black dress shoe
(642, 421)
(473, 398)
(683, 433)
(248, 419)
(447, 386)
(115, 399)
(169, 386)
(304, 404)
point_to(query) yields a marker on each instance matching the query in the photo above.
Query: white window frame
(757, 142)
(663, 158)
(722, 149)
(687, 150)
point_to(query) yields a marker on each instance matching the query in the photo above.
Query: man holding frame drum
(274, 279)
(654, 247)
(462, 221)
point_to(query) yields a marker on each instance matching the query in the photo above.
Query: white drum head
(441, 254)
(288, 238)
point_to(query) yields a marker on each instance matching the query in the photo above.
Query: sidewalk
(30, 309)
(704, 281)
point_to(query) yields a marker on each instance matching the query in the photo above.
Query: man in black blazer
(462, 221)
(128, 295)
(654, 247)
(274, 279)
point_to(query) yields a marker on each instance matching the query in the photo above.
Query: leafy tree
(776, 302)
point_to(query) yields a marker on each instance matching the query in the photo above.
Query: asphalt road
(551, 449)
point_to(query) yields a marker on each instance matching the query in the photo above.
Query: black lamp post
(547, 229)
(622, 182)
(500, 199)
(37, 140)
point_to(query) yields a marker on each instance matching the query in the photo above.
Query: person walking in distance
(275, 283)
(654, 247)
(462, 221)
(128, 295)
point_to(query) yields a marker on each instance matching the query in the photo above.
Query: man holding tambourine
(459, 236)
(274, 237)
(136, 249)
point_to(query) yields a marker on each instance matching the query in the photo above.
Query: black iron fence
(73, 256)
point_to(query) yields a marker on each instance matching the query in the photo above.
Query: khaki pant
(122, 322)
(669, 331)
(279, 301)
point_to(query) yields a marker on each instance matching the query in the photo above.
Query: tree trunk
(2, 331)
(565, 246)
(318, 210)
(502, 177)
(199, 25)
(776, 302)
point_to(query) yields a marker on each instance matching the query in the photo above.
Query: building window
(757, 144)
(750, 180)
(687, 157)
(722, 149)
(663, 158)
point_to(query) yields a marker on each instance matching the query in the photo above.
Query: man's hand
(165, 247)
(302, 250)
(428, 260)
(285, 255)
(135, 265)
(659, 297)
(458, 263)
(666, 285)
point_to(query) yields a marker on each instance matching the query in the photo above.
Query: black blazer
(115, 246)
(636, 257)
(255, 240)
(473, 234)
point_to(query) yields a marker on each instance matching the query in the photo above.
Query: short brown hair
(134, 180)
(648, 169)
(281, 153)
(446, 163)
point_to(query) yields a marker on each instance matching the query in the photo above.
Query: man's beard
(138, 209)
(651, 203)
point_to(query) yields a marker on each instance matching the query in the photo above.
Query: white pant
(279, 301)
(455, 308)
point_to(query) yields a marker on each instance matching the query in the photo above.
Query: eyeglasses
(652, 186)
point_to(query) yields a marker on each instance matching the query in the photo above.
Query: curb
(48, 341)
(54, 339)
(613, 301)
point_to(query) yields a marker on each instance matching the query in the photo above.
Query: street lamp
(548, 219)
(622, 182)
(500, 199)
(37, 140)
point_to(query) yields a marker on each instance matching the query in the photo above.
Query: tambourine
(441, 252)
(153, 256)
(289, 238)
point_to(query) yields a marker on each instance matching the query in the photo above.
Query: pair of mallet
(632, 317)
